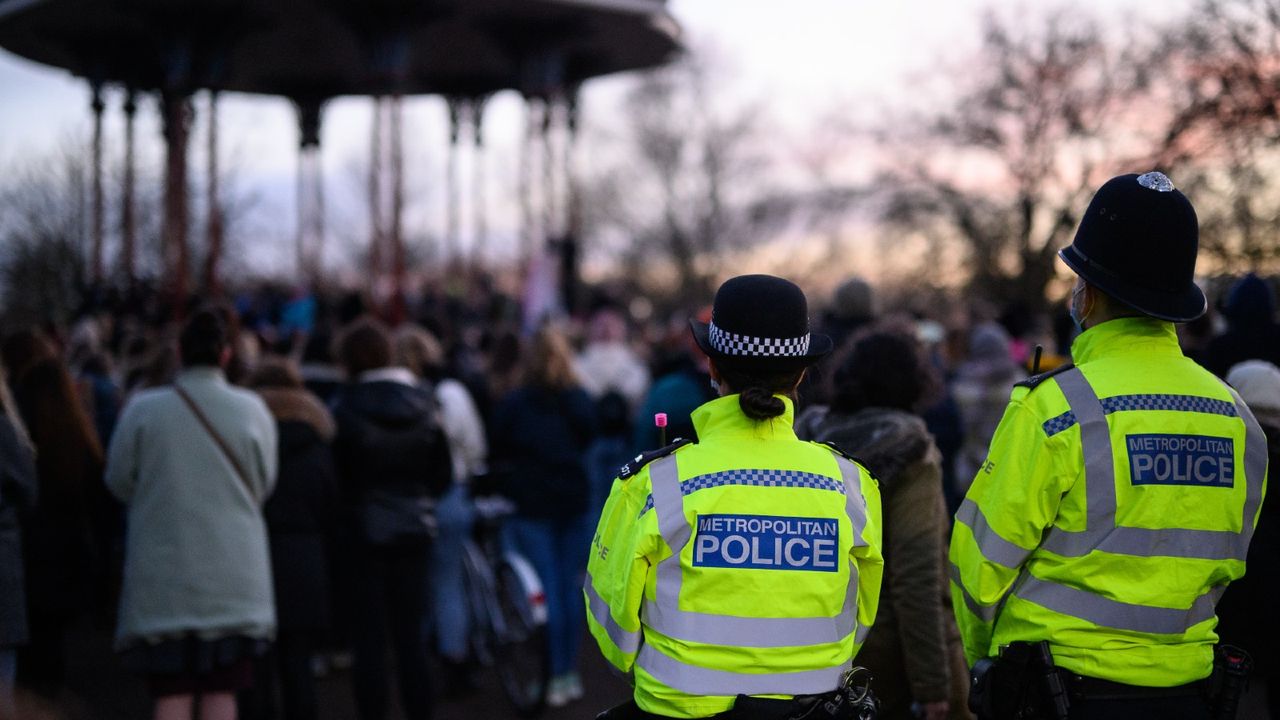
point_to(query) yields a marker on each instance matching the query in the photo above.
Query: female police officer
(737, 576)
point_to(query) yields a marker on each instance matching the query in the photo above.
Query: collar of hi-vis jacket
(723, 418)
(1126, 336)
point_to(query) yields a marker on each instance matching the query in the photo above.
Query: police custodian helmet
(1137, 243)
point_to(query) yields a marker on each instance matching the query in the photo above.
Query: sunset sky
(806, 58)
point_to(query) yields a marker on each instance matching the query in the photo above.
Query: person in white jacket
(608, 363)
(617, 380)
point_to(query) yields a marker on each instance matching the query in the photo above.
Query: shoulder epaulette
(645, 458)
(841, 452)
(1034, 381)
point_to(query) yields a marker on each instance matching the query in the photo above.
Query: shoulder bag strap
(222, 444)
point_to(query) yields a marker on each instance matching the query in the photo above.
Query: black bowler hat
(760, 320)
(1137, 242)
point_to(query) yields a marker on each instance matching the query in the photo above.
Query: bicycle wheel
(479, 584)
(521, 652)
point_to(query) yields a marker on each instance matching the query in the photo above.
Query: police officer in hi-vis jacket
(737, 576)
(1119, 495)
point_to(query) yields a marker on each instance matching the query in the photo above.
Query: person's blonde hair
(550, 362)
(276, 372)
(416, 348)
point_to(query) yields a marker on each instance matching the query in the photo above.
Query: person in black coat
(1252, 332)
(393, 462)
(1247, 614)
(300, 517)
(538, 445)
(18, 489)
(63, 545)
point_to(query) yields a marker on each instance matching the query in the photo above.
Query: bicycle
(508, 610)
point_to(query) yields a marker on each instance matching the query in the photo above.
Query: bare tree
(688, 173)
(1224, 135)
(43, 237)
(44, 229)
(1005, 166)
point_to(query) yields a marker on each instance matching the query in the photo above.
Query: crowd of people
(283, 481)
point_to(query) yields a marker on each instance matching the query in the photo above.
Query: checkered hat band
(745, 345)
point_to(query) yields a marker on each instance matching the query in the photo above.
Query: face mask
(715, 386)
(1077, 316)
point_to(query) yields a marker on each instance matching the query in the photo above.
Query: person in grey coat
(17, 495)
(981, 389)
(196, 605)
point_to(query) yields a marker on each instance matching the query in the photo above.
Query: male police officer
(1120, 493)
(747, 564)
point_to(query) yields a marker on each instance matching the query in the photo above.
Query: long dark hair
(758, 385)
(883, 367)
(24, 348)
(68, 453)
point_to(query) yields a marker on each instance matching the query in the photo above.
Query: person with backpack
(420, 351)
(393, 463)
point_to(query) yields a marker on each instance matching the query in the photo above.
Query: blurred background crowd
(545, 414)
(488, 287)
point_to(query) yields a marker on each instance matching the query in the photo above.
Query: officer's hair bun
(760, 403)
(758, 388)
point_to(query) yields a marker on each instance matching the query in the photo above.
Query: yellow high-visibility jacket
(747, 563)
(1116, 503)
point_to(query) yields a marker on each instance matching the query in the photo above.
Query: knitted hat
(854, 301)
(1258, 383)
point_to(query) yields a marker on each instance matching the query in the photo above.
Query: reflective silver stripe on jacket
(853, 501)
(1099, 475)
(1106, 612)
(665, 616)
(857, 512)
(1095, 440)
(626, 640)
(1148, 542)
(986, 613)
(668, 503)
(1255, 466)
(993, 547)
(1102, 533)
(698, 680)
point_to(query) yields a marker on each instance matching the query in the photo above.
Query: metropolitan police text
(767, 542)
(1201, 460)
